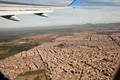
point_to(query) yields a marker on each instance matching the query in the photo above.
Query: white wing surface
(8, 10)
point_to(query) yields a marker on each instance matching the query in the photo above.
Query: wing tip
(74, 4)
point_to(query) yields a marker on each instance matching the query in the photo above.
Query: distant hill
(8, 34)
(105, 25)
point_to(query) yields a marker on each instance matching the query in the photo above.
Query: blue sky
(88, 11)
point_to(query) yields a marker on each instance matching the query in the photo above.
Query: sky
(88, 11)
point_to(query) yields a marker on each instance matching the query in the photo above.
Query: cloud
(109, 1)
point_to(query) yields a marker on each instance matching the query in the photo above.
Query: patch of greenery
(5, 44)
(61, 45)
(15, 49)
(34, 72)
(2, 56)
(37, 78)
(5, 47)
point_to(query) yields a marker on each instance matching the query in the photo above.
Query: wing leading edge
(8, 10)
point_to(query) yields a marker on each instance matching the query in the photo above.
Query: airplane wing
(8, 10)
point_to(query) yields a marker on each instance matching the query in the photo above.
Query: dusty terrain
(83, 56)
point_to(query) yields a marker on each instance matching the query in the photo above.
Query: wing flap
(11, 17)
(42, 14)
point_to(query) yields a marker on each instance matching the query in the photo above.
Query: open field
(33, 75)
(13, 41)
